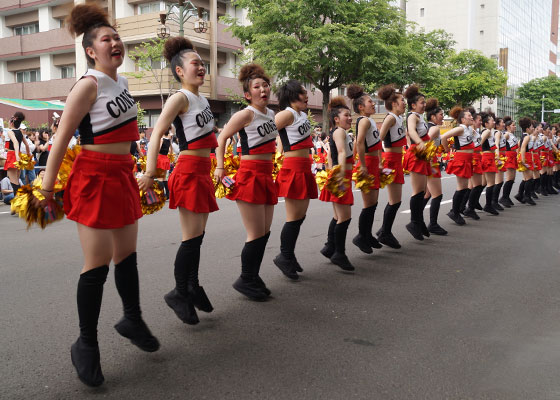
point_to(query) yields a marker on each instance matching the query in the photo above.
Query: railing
(36, 43)
(53, 89)
(147, 85)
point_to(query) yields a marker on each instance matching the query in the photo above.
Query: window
(421, 12)
(481, 33)
(207, 67)
(67, 71)
(341, 91)
(32, 75)
(149, 7)
(482, 6)
(151, 117)
(26, 29)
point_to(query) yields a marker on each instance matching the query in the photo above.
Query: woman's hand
(364, 169)
(145, 182)
(48, 197)
(219, 174)
(421, 146)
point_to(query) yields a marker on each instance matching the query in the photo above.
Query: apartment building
(39, 60)
(522, 35)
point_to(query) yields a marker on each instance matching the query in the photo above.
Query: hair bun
(354, 91)
(507, 119)
(337, 102)
(432, 104)
(85, 16)
(175, 45)
(455, 111)
(251, 71)
(411, 91)
(386, 92)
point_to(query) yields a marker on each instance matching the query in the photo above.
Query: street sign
(557, 111)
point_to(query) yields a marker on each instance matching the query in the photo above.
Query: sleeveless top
(165, 144)
(489, 144)
(112, 118)
(531, 144)
(513, 142)
(421, 127)
(437, 140)
(194, 128)
(539, 142)
(372, 142)
(297, 135)
(259, 137)
(477, 140)
(334, 150)
(19, 137)
(396, 137)
(465, 141)
(503, 141)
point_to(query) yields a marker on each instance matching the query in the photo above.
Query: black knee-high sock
(389, 216)
(89, 296)
(340, 231)
(187, 262)
(537, 184)
(497, 189)
(464, 199)
(249, 254)
(330, 234)
(521, 188)
(457, 200)
(434, 209)
(126, 280)
(289, 236)
(426, 201)
(473, 196)
(15, 188)
(261, 249)
(507, 189)
(416, 208)
(365, 222)
(489, 195)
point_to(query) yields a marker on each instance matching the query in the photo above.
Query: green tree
(140, 117)
(327, 43)
(149, 58)
(465, 78)
(530, 95)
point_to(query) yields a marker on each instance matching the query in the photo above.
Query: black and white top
(373, 141)
(297, 135)
(396, 137)
(436, 140)
(464, 141)
(334, 151)
(259, 137)
(195, 127)
(422, 127)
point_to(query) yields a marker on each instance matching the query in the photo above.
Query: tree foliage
(465, 78)
(530, 95)
(327, 43)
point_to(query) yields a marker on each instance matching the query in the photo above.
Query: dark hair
(525, 123)
(412, 94)
(544, 125)
(508, 121)
(458, 113)
(472, 110)
(486, 117)
(389, 95)
(335, 106)
(173, 52)
(356, 94)
(432, 108)
(249, 72)
(86, 19)
(288, 93)
(17, 119)
(498, 120)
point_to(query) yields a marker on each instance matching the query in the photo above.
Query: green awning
(31, 104)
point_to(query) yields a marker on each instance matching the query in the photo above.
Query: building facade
(39, 60)
(522, 35)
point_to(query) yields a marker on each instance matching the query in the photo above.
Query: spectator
(42, 149)
(7, 190)
(27, 176)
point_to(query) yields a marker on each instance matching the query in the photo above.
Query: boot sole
(282, 267)
(259, 298)
(148, 349)
(412, 230)
(171, 304)
(84, 381)
(364, 248)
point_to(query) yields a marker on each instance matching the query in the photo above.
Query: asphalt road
(474, 315)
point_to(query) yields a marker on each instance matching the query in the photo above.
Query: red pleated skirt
(102, 192)
(413, 164)
(190, 185)
(394, 161)
(477, 163)
(163, 162)
(536, 161)
(529, 161)
(511, 162)
(254, 183)
(461, 165)
(372, 165)
(348, 197)
(10, 160)
(436, 171)
(295, 179)
(489, 162)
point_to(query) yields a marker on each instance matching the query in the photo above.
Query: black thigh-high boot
(520, 196)
(549, 179)
(488, 207)
(416, 219)
(339, 257)
(477, 205)
(434, 212)
(528, 191)
(365, 222)
(247, 284)
(505, 200)
(384, 235)
(455, 214)
(196, 292)
(533, 192)
(132, 326)
(473, 197)
(85, 352)
(263, 240)
(328, 249)
(465, 200)
(15, 188)
(496, 196)
(540, 186)
(373, 242)
(286, 261)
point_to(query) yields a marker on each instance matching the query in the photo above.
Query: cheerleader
(476, 181)
(190, 185)
(547, 155)
(490, 154)
(512, 145)
(434, 115)
(13, 146)
(393, 136)
(163, 162)
(419, 169)
(501, 143)
(536, 160)
(461, 164)
(525, 187)
(556, 168)
(341, 153)
(101, 194)
(254, 189)
(368, 148)
(295, 180)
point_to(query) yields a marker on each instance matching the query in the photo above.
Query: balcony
(147, 86)
(142, 27)
(36, 43)
(55, 89)
(226, 40)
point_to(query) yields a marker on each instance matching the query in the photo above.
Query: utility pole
(542, 109)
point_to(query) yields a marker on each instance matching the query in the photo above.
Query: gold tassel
(148, 209)
(363, 181)
(25, 162)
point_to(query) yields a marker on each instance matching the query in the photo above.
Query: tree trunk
(326, 95)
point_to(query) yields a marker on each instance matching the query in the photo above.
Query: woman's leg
(385, 235)
(343, 214)
(416, 225)
(434, 187)
(364, 240)
(286, 261)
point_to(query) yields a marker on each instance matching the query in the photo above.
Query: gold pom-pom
(334, 183)
(25, 162)
(172, 157)
(23, 205)
(363, 181)
(501, 162)
(277, 164)
(521, 166)
(142, 162)
(405, 171)
(427, 153)
(321, 179)
(316, 158)
(152, 200)
(435, 169)
(386, 177)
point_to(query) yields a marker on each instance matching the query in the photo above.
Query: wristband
(219, 168)
(48, 191)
